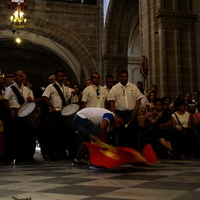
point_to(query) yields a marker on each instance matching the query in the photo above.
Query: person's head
(2, 80)
(109, 81)
(187, 108)
(88, 82)
(166, 100)
(68, 84)
(159, 104)
(171, 107)
(19, 77)
(179, 104)
(118, 122)
(140, 86)
(52, 78)
(141, 111)
(198, 107)
(188, 97)
(151, 96)
(76, 88)
(123, 77)
(65, 80)
(59, 76)
(95, 78)
(154, 88)
(196, 95)
(178, 96)
(26, 81)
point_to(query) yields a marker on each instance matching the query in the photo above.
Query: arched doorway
(122, 39)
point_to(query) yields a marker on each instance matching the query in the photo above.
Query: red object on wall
(12, 4)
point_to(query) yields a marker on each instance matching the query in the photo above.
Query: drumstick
(25, 101)
(135, 111)
(19, 111)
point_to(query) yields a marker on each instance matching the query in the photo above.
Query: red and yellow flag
(110, 157)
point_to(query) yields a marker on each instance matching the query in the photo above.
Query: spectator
(124, 97)
(151, 97)
(94, 95)
(185, 140)
(160, 129)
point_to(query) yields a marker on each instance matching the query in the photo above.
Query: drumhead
(26, 109)
(69, 109)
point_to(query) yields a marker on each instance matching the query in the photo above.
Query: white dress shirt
(52, 94)
(125, 97)
(12, 98)
(93, 99)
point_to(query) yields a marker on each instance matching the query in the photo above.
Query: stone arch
(122, 20)
(66, 38)
(77, 55)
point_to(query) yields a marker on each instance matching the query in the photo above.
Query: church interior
(156, 41)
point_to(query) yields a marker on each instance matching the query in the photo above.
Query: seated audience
(188, 100)
(185, 140)
(160, 130)
(151, 97)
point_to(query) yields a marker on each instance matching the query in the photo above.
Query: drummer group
(54, 131)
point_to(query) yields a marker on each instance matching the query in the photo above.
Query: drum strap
(19, 96)
(60, 94)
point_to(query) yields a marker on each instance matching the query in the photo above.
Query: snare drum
(31, 114)
(69, 111)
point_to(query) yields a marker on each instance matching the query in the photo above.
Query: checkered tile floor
(45, 180)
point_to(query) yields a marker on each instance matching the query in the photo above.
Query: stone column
(168, 41)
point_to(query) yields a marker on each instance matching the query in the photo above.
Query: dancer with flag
(95, 123)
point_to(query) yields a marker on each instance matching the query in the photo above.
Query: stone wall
(76, 27)
(168, 40)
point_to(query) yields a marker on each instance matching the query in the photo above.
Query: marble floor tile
(44, 180)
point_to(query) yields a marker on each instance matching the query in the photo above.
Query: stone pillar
(168, 41)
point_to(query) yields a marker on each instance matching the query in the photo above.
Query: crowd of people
(172, 127)
(119, 113)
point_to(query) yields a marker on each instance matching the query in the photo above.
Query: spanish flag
(110, 157)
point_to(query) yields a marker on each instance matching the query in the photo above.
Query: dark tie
(97, 90)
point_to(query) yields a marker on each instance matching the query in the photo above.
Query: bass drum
(69, 111)
(31, 114)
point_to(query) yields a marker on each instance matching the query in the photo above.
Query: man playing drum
(93, 121)
(56, 96)
(20, 143)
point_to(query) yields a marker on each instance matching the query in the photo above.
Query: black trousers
(57, 135)
(127, 136)
(19, 140)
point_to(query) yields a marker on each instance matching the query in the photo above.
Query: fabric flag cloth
(149, 154)
(111, 157)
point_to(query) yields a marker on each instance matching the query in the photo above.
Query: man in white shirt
(93, 121)
(20, 141)
(109, 82)
(56, 96)
(52, 79)
(124, 97)
(94, 95)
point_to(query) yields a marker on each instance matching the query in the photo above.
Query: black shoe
(45, 156)
(77, 164)
(171, 156)
(53, 158)
(9, 161)
(18, 160)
